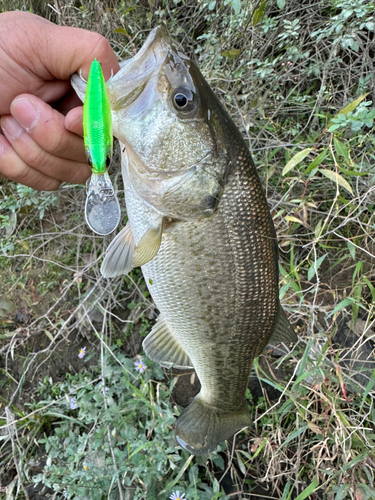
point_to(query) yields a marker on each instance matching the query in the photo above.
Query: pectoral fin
(283, 331)
(148, 247)
(119, 255)
(161, 346)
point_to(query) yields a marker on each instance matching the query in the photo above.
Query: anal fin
(283, 331)
(161, 346)
(118, 259)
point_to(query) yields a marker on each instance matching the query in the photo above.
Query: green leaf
(296, 160)
(216, 486)
(337, 178)
(341, 149)
(293, 435)
(310, 489)
(332, 128)
(291, 218)
(358, 269)
(260, 448)
(351, 106)
(281, 4)
(318, 160)
(369, 386)
(258, 13)
(177, 478)
(318, 229)
(241, 464)
(353, 173)
(311, 272)
(120, 30)
(287, 492)
(342, 491)
(236, 5)
(351, 249)
(371, 288)
(283, 290)
(341, 305)
(231, 53)
(355, 461)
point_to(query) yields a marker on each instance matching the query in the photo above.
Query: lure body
(102, 209)
(97, 121)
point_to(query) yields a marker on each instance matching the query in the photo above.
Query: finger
(40, 57)
(14, 168)
(74, 121)
(31, 154)
(71, 50)
(46, 127)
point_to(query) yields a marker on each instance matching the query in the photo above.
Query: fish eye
(184, 100)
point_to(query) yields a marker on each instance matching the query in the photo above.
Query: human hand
(41, 147)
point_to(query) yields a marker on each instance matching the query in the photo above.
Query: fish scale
(200, 228)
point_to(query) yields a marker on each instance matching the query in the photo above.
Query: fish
(201, 230)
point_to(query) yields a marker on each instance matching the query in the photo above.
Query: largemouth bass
(200, 227)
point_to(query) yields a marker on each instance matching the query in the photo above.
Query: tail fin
(201, 427)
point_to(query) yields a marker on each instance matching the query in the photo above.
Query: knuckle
(38, 158)
(27, 176)
(101, 45)
(20, 170)
(80, 173)
(56, 144)
(19, 173)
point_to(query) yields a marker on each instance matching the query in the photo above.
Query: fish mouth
(129, 83)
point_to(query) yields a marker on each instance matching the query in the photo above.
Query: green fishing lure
(102, 209)
(97, 121)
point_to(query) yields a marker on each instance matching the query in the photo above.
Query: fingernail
(11, 127)
(25, 112)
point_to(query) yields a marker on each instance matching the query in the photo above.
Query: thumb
(72, 50)
(51, 52)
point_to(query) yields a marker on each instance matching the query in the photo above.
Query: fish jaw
(175, 162)
(125, 87)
